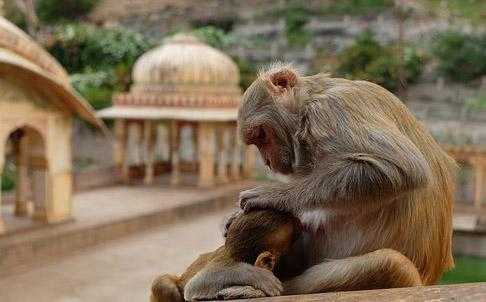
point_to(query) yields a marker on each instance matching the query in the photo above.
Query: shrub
(96, 87)
(99, 59)
(296, 18)
(8, 177)
(14, 14)
(214, 36)
(80, 46)
(53, 11)
(367, 59)
(356, 7)
(461, 57)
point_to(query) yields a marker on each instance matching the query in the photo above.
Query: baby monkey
(259, 238)
(272, 242)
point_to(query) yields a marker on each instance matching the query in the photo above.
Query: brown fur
(262, 238)
(259, 238)
(364, 170)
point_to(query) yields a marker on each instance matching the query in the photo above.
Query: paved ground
(103, 205)
(119, 271)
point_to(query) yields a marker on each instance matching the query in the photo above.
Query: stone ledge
(458, 292)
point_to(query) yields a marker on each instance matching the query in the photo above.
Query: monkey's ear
(266, 260)
(281, 80)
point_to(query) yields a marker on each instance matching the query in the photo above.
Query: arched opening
(24, 179)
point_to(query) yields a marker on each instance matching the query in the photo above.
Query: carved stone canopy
(22, 59)
(183, 72)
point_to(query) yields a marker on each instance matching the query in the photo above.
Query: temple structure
(475, 157)
(37, 105)
(183, 84)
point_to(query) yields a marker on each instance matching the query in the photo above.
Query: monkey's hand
(216, 281)
(263, 198)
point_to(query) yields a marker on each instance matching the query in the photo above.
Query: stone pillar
(2, 223)
(120, 149)
(175, 141)
(206, 147)
(194, 143)
(223, 150)
(149, 143)
(39, 181)
(249, 162)
(139, 149)
(236, 158)
(22, 183)
(479, 179)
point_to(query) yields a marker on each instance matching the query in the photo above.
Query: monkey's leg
(383, 268)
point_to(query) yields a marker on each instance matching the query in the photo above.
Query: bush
(96, 87)
(214, 36)
(99, 59)
(8, 177)
(14, 14)
(53, 11)
(296, 18)
(356, 7)
(461, 57)
(367, 59)
(80, 46)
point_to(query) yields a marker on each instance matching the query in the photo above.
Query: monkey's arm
(221, 280)
(355, 163)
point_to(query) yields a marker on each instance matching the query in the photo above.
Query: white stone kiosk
(183, 83)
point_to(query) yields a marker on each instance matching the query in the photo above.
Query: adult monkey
(366, 175)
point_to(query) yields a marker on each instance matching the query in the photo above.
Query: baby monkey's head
(261, 237)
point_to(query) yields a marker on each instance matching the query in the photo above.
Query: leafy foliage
(100, 59)
(54, 11)
(296, 18)
(356, 7)
(476, 103)
(14, 14)
(470, 10)
(461, 57)
(367, 59)
(8, 177)
(214, 36)
(80, 46)
(95, 86)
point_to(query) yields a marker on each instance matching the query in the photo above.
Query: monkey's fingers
(249, 194)
(240, 292)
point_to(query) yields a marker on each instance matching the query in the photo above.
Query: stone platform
(108, 213)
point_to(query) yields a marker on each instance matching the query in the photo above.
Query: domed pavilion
(37, 106)
(181, 84)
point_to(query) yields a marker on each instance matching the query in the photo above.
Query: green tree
(54, 11)
(99, 59)
(367, 59)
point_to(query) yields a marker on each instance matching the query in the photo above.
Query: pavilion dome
(184, 72)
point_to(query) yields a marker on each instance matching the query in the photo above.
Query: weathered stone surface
(459, 292)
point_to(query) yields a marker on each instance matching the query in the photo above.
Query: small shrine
(37, 106)
(182, 84)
